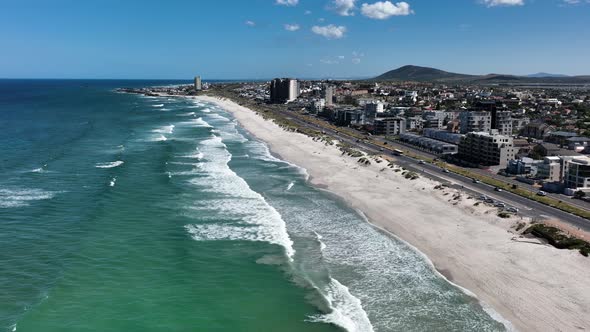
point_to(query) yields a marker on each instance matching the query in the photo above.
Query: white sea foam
(187, 114)
(347, 310)
(165, 109)
(256, 219)
(158, 105)
(319, 238)
(112, 164)
(164, 130)
(290, 186)
(206, 110)
(113, 182)
(197, 155)
(261, 151)
(159, 138)
(17, 197)
(199, 123)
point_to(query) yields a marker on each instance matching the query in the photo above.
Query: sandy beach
(532, 285)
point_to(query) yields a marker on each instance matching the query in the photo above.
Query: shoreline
(505, 275)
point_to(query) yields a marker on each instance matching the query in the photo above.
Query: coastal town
(521, 148)
(532, 137)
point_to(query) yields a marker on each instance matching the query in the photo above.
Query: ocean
(122, 212)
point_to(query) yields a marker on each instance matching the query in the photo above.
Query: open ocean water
(121, 212)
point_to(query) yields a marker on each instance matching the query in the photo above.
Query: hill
(426, 74)
(540, 75)
(416, 73)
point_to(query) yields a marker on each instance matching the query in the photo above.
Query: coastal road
(574, 202)
(527, 207)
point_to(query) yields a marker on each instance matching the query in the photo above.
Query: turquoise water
(127, 213)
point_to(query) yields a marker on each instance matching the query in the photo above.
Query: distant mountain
(540, 75)
(416, 73)
(426, 74)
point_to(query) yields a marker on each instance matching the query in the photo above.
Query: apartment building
(487, 149)
(390, 126)
(475, 122)
(577, 175)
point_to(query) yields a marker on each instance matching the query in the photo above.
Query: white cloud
(343, 7)
(307, 12)
(341, 57)
(496, 3)
(384, 9)
(250, 23)
(356, 61)
(287, 2)
(329, 31)
(292, 27)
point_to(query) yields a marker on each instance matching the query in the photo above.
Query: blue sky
(324, 38)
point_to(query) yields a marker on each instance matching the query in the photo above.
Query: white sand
(536, 287)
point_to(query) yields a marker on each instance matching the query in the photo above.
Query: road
(527, 207)
(577, 203)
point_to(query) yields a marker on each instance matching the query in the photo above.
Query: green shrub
(556, 238)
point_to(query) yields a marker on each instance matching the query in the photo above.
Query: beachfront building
(429, 144)
(443, 135)
(487, 149)
(550, 169)
(389, 126)
(283, 90)
(523, 166)
(577, 175)
(475, 122)
(198, 83)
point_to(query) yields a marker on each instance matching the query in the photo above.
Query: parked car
(500, 205)
(512, 209)
(542, 193)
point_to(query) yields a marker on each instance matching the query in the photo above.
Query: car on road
(542, 193)
(498, 189)
(475, 181)
(444, 170)
(421, 162)
(381, 149)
